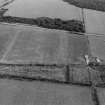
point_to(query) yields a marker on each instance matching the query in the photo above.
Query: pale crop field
(94, 21)
(43, 8)
(47, 46)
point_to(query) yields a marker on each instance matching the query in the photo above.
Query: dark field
(89, 4)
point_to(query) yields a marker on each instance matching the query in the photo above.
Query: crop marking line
(10, 46)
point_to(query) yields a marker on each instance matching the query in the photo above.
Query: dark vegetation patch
(89, 4)
(56, 23)
(69, 25)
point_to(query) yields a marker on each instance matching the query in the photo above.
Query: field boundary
(74, 25)
(69, 74)
(28, 25)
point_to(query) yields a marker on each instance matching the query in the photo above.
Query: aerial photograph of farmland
(52, 52)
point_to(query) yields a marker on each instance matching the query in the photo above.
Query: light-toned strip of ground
(10, 46)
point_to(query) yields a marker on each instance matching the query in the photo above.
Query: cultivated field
(45, 8)
(97, 46)
(94, 21)
(45, 46)
(59, 57)
(14, 92)
(34, 45)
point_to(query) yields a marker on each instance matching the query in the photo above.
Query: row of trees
(56, 23)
